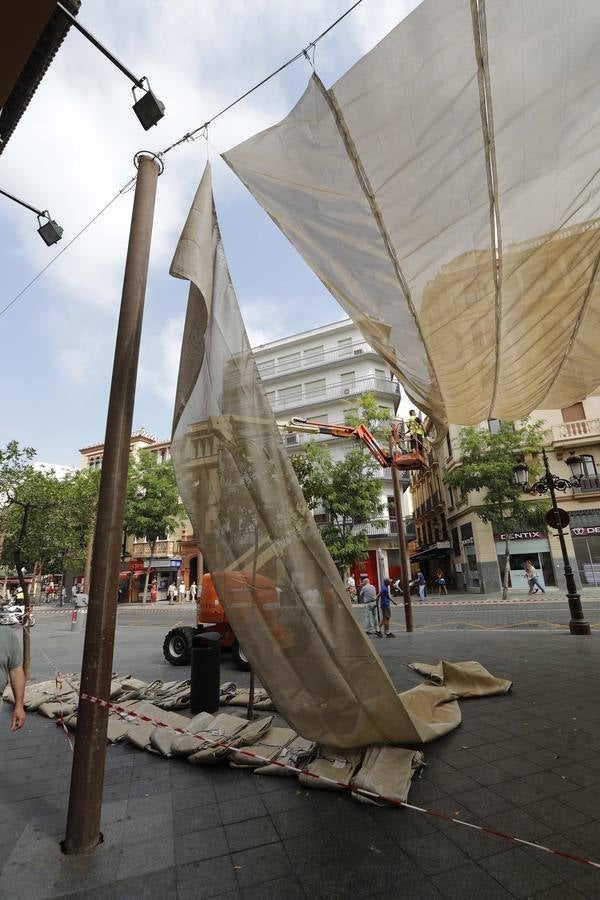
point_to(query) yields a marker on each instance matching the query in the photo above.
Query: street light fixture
(49, 230)
(551, 483)
(149, 109)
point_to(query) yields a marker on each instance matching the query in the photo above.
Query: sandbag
(338, 765)
(386, 771)
(267, 747)
(184, 744)
(434, 711)
(224, 731)
(297, 753)
(464, 679)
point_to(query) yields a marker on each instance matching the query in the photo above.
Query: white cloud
(159, 363)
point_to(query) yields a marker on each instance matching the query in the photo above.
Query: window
(494, 425)
(344, 347)
(588, 464)
(266, 367)
(350, 414)
(290, 395)
(289, 363)
(449, 443)
(347, 380)
(314, 388)
(270, 395)
(450, 496)
(455, 542)
(313, 356)
(574, 413)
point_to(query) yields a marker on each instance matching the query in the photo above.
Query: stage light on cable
(50, 231)
(148, 108)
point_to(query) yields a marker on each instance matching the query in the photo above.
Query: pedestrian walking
(11, 669)
(367, 597)
(385, 601)
(193, 592)
(351, 588)
(440, 580)
(421, 583)
(63, 595)
(182, 592)
(532, 579)
(74, 594)
(172, 593)
(153, 591)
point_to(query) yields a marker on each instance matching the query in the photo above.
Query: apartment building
(176, 556)
(319, 374)
(451, 536)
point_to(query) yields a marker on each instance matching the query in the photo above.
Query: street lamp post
(551, 483)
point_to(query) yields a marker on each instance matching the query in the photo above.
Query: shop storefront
(585, 532)
(525, 545)
(165, 571)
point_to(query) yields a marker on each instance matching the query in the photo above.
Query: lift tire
(177, 646)
(239, 657)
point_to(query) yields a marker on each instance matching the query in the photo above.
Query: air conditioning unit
(346, 391)
(358, 351)
(291, 440)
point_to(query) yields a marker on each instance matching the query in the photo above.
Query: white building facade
(317, 375)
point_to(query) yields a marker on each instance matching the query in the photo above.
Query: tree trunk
(506, 568)
(152, 544)
(26, 601)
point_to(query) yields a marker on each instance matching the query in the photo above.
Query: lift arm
(401, 458)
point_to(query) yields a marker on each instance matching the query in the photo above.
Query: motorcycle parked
(13, 613)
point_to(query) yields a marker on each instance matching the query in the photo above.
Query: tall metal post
(87, 774)
(577, 623)
(408, 616)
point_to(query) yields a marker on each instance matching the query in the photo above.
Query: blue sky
(73, 150)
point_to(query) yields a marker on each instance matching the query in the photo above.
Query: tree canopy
(487, 463)
(347, 491)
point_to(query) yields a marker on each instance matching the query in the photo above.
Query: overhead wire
(188, 136)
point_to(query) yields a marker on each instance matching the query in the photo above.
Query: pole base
(75, 848)
(579, 626)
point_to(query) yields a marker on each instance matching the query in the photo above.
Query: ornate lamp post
(551, 483)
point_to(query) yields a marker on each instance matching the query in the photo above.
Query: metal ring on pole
(152, 155)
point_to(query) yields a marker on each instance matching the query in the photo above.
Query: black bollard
(205, 672)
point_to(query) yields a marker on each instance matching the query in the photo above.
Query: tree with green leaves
(152, 507)
(487, 463)
(348, 491)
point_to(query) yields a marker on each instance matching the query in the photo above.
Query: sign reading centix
(557, 514)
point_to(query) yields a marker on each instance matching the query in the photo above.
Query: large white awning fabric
(276, 580)
(446, 191)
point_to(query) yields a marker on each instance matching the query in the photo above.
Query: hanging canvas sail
(446, 191)
(273, 574)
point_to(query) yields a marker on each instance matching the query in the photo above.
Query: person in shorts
(440, 580)
(385, 601)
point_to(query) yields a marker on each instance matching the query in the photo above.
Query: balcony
(589, 484)
(382, 528)
(313, 360)
(340, 390)
(570, 433)
(141, 549)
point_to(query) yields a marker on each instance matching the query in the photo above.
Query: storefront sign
(520, 536)
(583, 532)
(136, 565)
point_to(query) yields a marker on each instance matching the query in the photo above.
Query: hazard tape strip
(370, 795)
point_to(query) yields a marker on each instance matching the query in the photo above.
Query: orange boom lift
(402, 458)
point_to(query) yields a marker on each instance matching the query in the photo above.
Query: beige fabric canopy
(445, 190)
(274, 576)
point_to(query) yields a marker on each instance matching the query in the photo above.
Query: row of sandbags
(60, 696)
(267, 749)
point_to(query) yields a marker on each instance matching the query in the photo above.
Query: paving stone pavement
(527, 763)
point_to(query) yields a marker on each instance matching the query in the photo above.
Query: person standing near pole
(368, 598)
(11, 669)
(421, 585)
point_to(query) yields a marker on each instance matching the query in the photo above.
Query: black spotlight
(149, 109)
(50, 231)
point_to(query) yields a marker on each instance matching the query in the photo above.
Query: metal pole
(22, 202)
(577, 624)
(87, 775)
(401, 541)
(139, 82)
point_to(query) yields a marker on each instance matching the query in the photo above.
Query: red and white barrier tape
(371, 795)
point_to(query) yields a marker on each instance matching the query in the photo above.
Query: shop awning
(431, 553)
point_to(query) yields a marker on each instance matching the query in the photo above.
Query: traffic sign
(556, 517)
